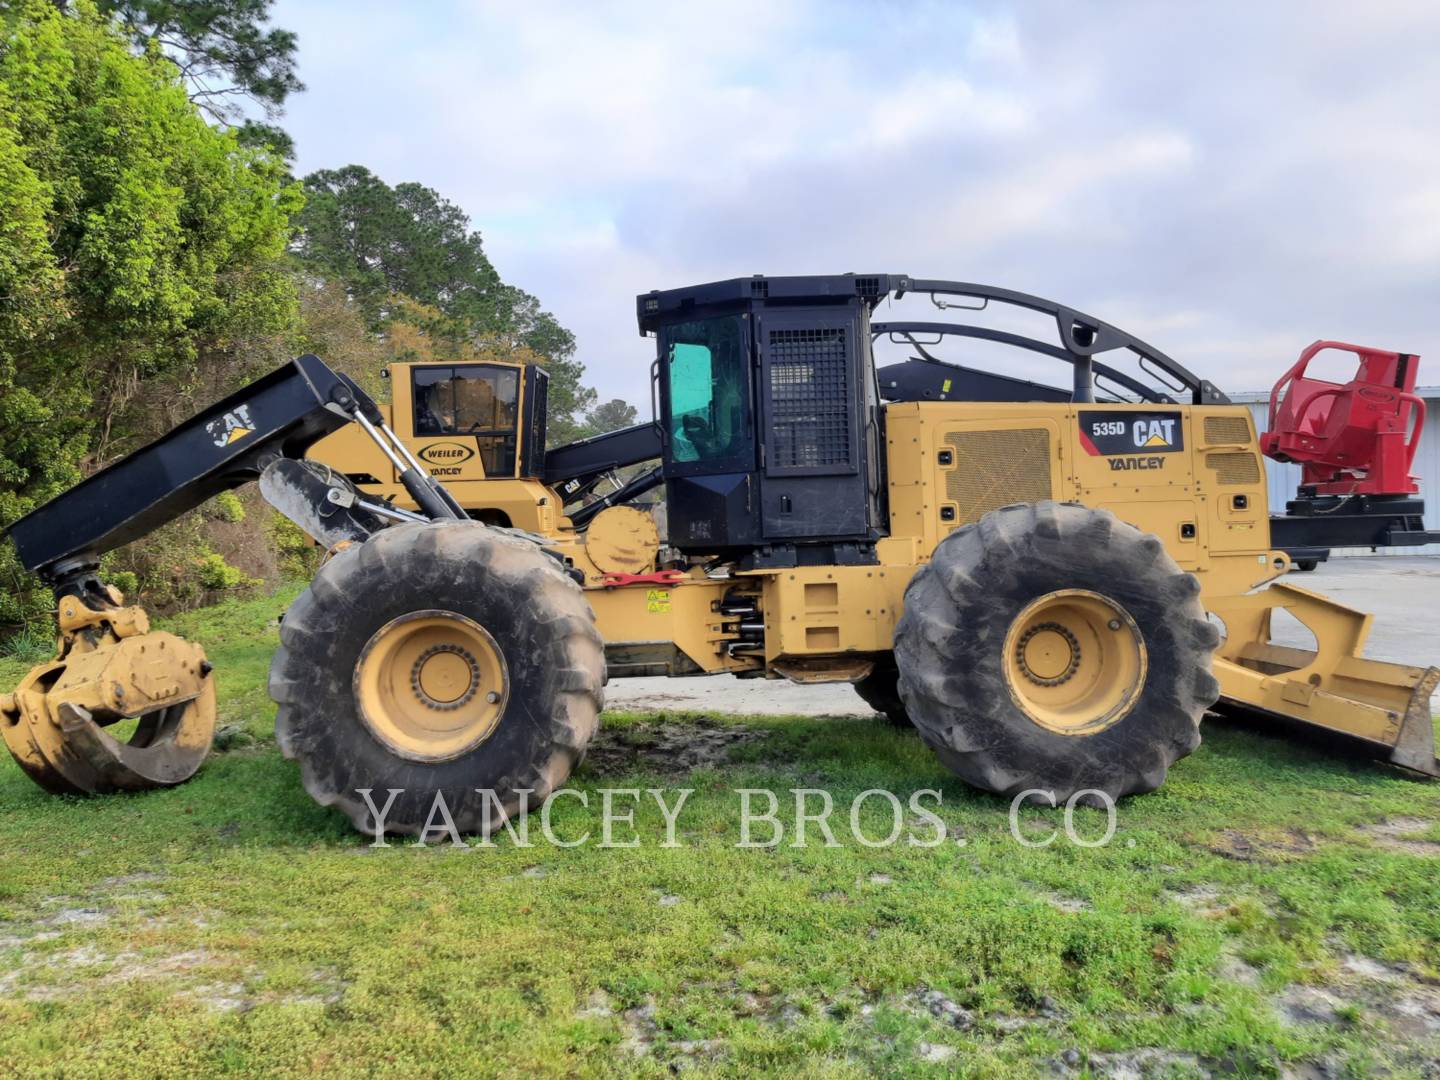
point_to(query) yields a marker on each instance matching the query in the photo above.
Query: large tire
(880, 691)
(467, 575)
(967, 679)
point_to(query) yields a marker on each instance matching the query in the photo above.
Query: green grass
(28, 647)
(231, 926)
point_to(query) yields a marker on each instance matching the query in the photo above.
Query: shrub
(298, 556)
(227, 507)
(29, 647)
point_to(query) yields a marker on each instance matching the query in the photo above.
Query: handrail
(1081, 335)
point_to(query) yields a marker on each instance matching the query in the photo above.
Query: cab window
(708, 392)
(476, 400)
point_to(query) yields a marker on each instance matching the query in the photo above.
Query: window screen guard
(811, 400)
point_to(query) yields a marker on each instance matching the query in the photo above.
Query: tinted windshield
(709, 391)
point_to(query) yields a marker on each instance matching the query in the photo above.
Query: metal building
(1282, 479)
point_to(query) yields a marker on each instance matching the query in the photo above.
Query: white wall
(1283, 479)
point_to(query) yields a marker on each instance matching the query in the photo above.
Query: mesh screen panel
(809, 398)
(1220, 430)
(997, 468)
(1234, 468)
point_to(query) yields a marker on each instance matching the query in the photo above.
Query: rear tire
(361, 708)
(1054, 647)
(880, 691)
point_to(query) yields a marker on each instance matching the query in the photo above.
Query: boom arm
(275, 418)
(109, 665)
(575, 469)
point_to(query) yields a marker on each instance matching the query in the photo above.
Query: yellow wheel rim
(431, 685)
(1075, 662)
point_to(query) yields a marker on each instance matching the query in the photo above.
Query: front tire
(880, 690)
(437, 659)
(1054, 647)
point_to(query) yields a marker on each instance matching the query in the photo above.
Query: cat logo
(1110, 432)
(1153, 432)
(232, 427)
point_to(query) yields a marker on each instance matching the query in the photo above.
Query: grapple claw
(109, 672)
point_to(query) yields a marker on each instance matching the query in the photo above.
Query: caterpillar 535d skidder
(1035, 576)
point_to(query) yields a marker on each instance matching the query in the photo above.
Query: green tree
(611, 415)
(382, 241)
(227, 52)
(135, 242)
(387, 245)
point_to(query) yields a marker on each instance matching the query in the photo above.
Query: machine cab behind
(472, 421)
(470, 424)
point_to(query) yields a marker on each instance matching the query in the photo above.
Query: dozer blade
(1333, 687)
(54, 724)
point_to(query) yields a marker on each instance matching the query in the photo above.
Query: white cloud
(1229, 182)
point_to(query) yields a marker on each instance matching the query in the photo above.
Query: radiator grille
(997, 468)
(1226, 430)
(809, 398)
(1234, 468)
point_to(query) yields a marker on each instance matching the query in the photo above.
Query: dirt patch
(598, 1006)
(1278, 846)
(1368, 990)
(942, 1008)
(641, 1033)
(326, 988)
(1137, 1064)
(671, 749)
(925, 1001)
(1204, 899)
(935, 1051)
(1366, 967)
(45, 976)
(213, 979)
(1235, 969)
(1399, 834)
(77, 916)
(1212, 902)
(1310, 1005)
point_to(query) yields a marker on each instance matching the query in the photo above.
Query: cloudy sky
(1228, 181)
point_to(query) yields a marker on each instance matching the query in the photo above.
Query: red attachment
(660, 577)
(1352, 438)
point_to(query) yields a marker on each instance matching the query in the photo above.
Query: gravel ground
(1403, 592)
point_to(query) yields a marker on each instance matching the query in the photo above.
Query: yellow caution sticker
(657, 601)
